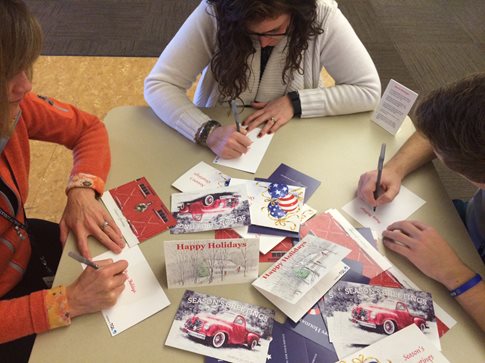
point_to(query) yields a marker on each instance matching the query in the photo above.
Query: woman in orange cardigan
(30, 249)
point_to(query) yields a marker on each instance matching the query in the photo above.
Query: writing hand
(390, 185)
(227, 143)
(95, 290)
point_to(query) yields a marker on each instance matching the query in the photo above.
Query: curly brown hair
(234, 45)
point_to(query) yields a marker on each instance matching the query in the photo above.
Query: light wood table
(335, 150)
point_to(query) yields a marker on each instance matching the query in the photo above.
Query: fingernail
(260, 135)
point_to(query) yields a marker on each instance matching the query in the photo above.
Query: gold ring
(273, 119)
(104, 225)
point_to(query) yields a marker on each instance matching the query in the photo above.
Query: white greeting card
(250, 161)
(142, 297)
(405, 204)
(276, 205)
(201, 176)
(211, 262)
(296, 282)
(409, 345)
(395, 104)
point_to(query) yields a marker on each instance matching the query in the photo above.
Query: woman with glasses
(264, 54)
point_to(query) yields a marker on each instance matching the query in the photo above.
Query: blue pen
(236, 115)
(380, 165)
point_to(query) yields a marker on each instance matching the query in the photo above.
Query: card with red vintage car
(359, 314)
(333, 226)
(138, 211)
(290, 347)
(210, 209)
(192, 263)
(222, 328)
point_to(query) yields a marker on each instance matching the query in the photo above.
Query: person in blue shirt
(450, 125)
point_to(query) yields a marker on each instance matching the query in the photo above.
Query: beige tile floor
(94, 84)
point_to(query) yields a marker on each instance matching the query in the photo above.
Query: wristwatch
(204, 131)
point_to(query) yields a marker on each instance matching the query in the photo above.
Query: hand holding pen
(380, 166)
(98, 287)
(235, 114)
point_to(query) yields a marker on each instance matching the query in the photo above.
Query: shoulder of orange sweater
(50, 120)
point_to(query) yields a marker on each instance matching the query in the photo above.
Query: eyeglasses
(269, 35)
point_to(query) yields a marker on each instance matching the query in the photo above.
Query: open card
(296, 282)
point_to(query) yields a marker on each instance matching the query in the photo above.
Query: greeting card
(210, 209)
(408, 345)
(211, 262)
(289, 347)
(249, 161)
(405, 204)
(201, 176)
(358, 314)
(287, 175)
(221, 328)
(296, 282)
(142, 297)
(137, 211)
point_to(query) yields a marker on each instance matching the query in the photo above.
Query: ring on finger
(273, 119)
(104, 225)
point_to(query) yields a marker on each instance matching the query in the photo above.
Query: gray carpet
(420, 43)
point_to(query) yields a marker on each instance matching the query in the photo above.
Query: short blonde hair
(20, 46)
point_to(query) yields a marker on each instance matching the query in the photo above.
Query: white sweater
(338, 49)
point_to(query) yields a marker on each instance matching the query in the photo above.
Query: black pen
(82, 259)
(236, 115)
(380, 165)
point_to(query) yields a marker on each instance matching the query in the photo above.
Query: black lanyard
(19, 226)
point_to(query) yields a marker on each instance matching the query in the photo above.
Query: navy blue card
(273, 231)
(289, 176)
(312, 327)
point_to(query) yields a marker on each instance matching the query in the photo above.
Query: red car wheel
(218, 339)
(389, 327)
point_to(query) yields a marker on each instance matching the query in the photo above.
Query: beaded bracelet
(204, 131)
(466, 286)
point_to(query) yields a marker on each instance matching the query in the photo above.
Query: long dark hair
(234, 46)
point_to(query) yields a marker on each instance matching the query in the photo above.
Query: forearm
(472, 300)
(35, 313)
(415, 152)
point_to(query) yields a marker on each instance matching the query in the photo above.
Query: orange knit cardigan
(47, 120)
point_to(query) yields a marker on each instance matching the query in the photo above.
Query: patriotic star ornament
(275, 210)
(278, 190)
